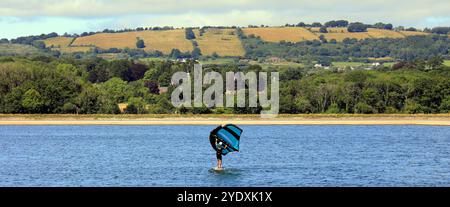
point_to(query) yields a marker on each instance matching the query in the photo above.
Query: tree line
(408, 48)
(96, 86)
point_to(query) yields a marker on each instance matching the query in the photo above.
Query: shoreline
(283, 119)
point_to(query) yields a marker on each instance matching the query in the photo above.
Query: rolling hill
(220, 41)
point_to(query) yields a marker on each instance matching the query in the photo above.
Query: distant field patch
(218, 61)
(224, 42)
(17, 49)
(348, 64)
(153, 59)
(413, 33)
(314, 29)
(113, 56)
(58, 41)
(277, 34)
(280, 65)
(74, 49)
(163, 41)
(381, 59)
(337, 30)
(447, 62)
(166, 40)
(341, 36)
(108, 40)
(340, 33)
(389, 64)
(384, 33)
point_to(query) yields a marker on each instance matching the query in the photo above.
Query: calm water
(182, 156)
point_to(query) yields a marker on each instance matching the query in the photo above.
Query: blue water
(182, 156)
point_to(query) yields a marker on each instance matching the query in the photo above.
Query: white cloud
(92, 8)
(88, 15)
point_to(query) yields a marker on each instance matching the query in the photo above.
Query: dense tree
(381, 25)
(140, 43)
(152, 86)
(99, 72)
(32, 101)
(337, 23)
(119, 69)
(323, 40)
(136, 71)
(357, 27)
(115, 90)
(196, 53)
(301, 24)
(411, 29)
(316, 24)
(31, 39)
(441, 30)
(189, 34)
(409, 48)
(136, 105)
(88, 101)
(63, 86)
(175, 53)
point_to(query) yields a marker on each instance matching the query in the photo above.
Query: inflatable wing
(229, 134)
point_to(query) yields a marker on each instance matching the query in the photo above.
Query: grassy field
(74, 49)
(357, 64)
(218, 61)
(277, 34)
(224, 42)
(383, 33)
(389, 64)
(166, 40)
(412, 33)
(341, 36)
(329, 29)
(58, 42)
(18, 49)
(348, 64)
(337, 30)
(340, 33)
(279, 65)
(153, 59)
(447, 62)
(163, 41)
(108, 40)
(297, 34)
(113, 56)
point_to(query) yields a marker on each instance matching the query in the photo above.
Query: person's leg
(219, 159)
(219, 164)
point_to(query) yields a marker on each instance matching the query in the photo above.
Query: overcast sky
(31, 17)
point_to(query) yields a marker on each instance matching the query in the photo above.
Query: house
(376, 64)
(122, 107)
(273, 60)
(163, 89)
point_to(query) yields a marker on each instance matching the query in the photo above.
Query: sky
(33, 17)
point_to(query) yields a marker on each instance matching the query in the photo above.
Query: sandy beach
(338, 119)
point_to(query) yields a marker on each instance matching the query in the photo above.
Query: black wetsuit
(219, 154)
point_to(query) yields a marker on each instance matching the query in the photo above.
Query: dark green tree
(140, 43)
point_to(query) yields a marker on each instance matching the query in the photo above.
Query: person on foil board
(225, 139)
(219, 147)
